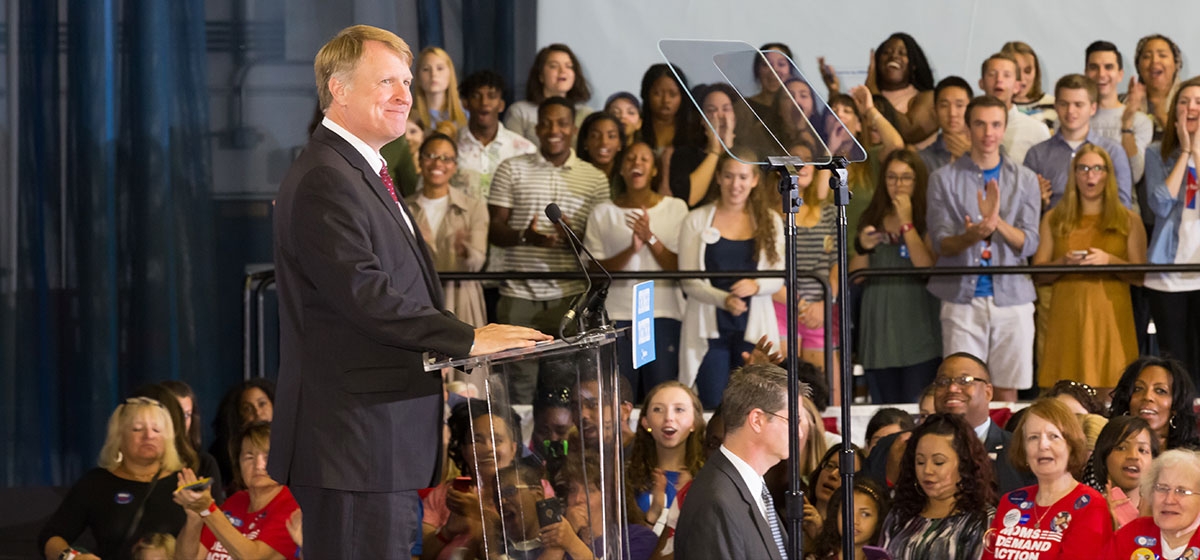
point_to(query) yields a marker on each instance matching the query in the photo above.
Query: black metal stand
(841, 198)
(790, 194)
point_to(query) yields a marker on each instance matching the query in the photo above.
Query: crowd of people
(1102, 465)
(1012, 168)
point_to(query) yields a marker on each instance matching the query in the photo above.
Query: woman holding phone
(1091, 325)
(253, 523)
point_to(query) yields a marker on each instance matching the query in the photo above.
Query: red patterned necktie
(387, 182)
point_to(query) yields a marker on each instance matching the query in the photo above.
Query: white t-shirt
(1187, 252)
(435, 211)
(607, 235)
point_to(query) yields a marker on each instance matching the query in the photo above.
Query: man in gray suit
(728, 512)
(357, 419)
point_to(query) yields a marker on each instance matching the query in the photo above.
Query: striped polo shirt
(526, 185)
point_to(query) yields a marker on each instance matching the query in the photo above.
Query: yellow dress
(1090, 336)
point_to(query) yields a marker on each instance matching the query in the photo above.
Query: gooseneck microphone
(588, 307)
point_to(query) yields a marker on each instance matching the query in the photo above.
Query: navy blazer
(359, 301)
(720, 519)
(1008, 477)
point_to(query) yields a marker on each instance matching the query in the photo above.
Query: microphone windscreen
(553, 212)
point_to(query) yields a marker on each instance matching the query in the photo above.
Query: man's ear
(337, 88)
(502, 106)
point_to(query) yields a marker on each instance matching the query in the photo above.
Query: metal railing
(258, 283)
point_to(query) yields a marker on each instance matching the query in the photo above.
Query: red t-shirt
(1141, 539)
(268, 525)
(1076, 526)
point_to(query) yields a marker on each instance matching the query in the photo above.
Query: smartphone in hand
(198, 486)
(1125, 512)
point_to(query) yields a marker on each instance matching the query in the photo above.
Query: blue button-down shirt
(951, 196)
(1052, 159)
(1164, 242)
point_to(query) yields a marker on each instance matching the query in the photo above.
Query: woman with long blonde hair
(435, 93)
(1091, 325)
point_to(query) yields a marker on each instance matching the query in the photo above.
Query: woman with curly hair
(1160, 391)
(667, 451)
(945, 495)
(1058, 516)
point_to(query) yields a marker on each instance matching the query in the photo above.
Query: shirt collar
(372, 157)
(572, 160)
(753, 479)
(982, 429)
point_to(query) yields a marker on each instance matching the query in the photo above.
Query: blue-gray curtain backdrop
(115, 285)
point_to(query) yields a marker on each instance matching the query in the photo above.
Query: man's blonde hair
(341, 54)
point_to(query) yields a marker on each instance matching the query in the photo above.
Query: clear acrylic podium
(569, 467)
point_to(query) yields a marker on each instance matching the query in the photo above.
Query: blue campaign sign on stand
(643, 324)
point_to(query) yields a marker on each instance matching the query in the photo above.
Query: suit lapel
(371, 176)
(764, 529)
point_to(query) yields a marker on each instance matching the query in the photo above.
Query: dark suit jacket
(719, 518)
(1008, 477)
(359, 301)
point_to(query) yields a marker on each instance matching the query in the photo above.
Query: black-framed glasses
(961, 381)
(1098, 168)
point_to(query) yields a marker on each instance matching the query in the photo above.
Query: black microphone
(587, 300)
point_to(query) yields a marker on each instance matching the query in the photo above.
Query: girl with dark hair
(1058, 516)
(1090, 324)
(1160, 391)
(1123, 453)
(871, 505)
(601, 141)
(891, 233)
(738, 230)
(1158, 61)
(483, 441)
(663, 100)
(885, 422)
(639, 231)
(771, 69)
(555, 72)
(945, 495)
(726, 123)
(825, 482)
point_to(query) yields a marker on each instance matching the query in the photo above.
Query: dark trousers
(901, 384)
(724, 355)
(665, 366)
(351, 525)
(1177, 322)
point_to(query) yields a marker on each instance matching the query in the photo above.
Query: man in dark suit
(728, 513)
(357, 419)
(962, 386)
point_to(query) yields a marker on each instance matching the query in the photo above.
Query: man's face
(485, 105)
(970, 399)
(999, 79)
(595, 418)
(952, 108)
(374, 100)
(554, 130)
(1074, 108)
(987, 129)
(1103, 69)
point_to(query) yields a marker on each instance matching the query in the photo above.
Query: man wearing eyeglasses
(728, 512)
(963, 386)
